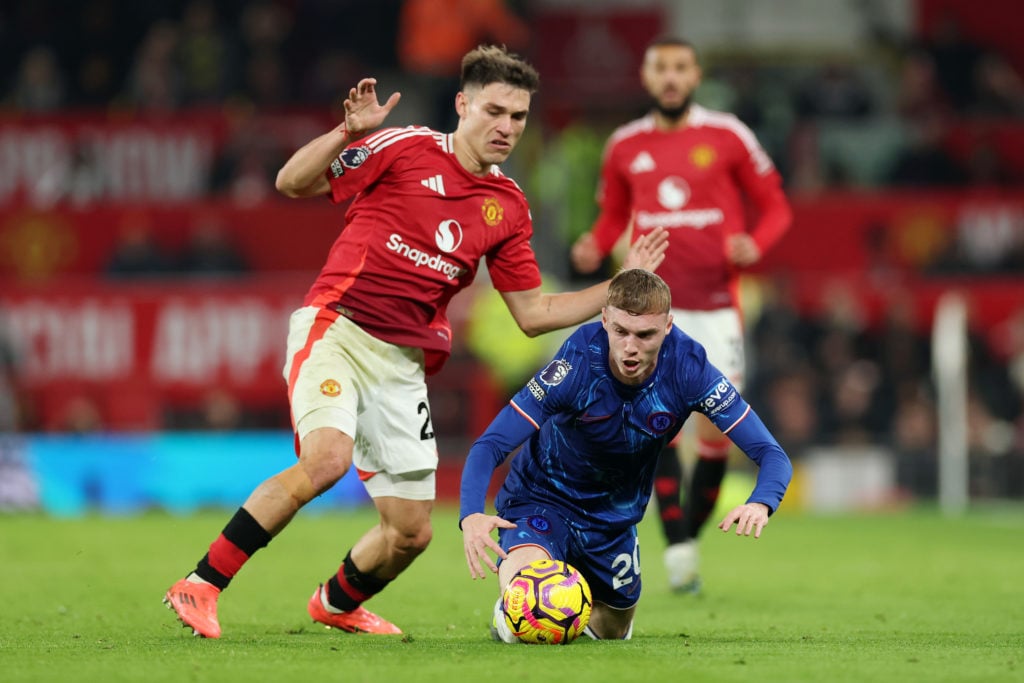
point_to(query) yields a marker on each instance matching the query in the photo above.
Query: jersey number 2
(426, 431)
(622, 564)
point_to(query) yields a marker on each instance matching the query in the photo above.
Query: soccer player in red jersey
(426, 208)
(692, 171)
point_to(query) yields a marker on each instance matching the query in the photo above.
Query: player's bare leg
(384, 552)
(517, 559)
(608, 623)
(326, 454)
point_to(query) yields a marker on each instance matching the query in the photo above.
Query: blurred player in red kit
(426, 208)
(692, 171)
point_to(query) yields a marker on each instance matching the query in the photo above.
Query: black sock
(350, 587)
(703, 493)
(242, 537)
(667, 479)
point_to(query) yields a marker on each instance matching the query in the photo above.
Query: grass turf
(908, 596)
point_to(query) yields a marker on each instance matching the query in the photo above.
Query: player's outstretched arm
(363, 111)
(537, 312)
(477, 540)
(303, 174)
(749, 518)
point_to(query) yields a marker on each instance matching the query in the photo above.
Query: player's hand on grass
(748, 518)
(648, 251)
(362, 110)
(477, 539)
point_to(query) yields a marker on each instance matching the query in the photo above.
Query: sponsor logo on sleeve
(719, 399)
(353, 157)
(555, 372)
(337, 170)
(536, 389)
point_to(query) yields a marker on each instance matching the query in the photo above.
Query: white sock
(195, 578)
(328, 606)
(501, 626)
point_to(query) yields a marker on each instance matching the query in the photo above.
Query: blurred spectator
(221, 411)
(926, 162)
(266, 82)
(999, 89)
(265, 78)
(19, 490)
(154, 82)
(205, 54)
(850, 415)
(137, 254)
(248, 164)
(803, 171)
(39, 84)
(955, 57)
(332, 75)
(985, 166)
(96, 60)
(835, 91)
(210, 251)
(914, 443)
(216, 410)
(10, 400)
(790, 405)
(901, 347)
(435, 34)
(78, 414)
(919, 94)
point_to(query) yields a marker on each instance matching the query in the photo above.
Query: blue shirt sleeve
(509, 430)
(774, 468)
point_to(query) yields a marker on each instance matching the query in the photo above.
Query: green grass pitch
(903, 596)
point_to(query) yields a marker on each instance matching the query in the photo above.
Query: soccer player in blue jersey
(592, 424)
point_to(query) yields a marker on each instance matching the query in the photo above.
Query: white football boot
(681, 560)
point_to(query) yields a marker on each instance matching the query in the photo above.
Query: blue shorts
(609, 561)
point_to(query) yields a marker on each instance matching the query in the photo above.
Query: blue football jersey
(590, 443)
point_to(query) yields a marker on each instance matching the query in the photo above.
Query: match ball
(547, 602)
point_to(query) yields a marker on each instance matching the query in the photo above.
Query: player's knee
(409, 539)
(325, 458)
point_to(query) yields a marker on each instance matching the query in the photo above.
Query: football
(547, 602)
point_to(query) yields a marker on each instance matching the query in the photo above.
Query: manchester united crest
(492, 211)
(702, 156)
(330, 387)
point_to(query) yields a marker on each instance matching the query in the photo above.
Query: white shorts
(720, 332)
(369, 389)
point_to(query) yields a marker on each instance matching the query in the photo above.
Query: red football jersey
(414, 235)
(691, 181)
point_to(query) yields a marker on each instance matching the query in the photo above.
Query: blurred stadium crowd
(937, 110)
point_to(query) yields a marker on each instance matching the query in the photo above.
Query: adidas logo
(435, 183)
(643, 162)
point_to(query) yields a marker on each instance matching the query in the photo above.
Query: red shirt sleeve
(512, 266)
(762, 184)
(615, 202)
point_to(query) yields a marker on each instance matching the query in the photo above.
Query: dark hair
(673, 41)
(494, 64)
(639, 292)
